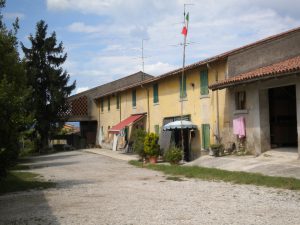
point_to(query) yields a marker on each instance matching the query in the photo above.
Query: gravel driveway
(94, 189)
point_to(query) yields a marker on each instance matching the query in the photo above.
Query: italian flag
(186, 25)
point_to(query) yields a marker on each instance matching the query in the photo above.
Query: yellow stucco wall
(202, 109)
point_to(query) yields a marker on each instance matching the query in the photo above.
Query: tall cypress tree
(48, 80)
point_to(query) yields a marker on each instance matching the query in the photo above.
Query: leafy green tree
(13, 95)
(48, 80)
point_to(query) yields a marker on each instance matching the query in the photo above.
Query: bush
(151, 146)
(138, 142)
(173, 155)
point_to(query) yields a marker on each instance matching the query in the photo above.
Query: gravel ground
(94, 189)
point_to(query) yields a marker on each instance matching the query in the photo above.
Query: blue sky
(103, 37)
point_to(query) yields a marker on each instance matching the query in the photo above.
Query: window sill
(157, 103)
(204, 96)
(134, 107)
(240, 111)
(183, 99)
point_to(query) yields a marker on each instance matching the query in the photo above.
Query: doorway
(283, 117)
(186, 143)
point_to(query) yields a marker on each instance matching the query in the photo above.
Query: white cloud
(81, 89)
(215, 27)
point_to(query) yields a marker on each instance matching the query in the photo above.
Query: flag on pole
(184, 31)
(186, 24)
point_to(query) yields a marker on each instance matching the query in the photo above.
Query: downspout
(148, 108)
(99, 126)
(120, 102)
(217, 135)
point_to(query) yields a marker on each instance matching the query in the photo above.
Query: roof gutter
(215, 87)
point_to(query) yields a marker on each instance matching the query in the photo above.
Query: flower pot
(216, 152)
(153, 159)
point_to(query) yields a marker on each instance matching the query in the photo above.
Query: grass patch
(22, 181)
(212, 174)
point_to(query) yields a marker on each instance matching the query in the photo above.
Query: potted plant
(173, 155)
(151, 147)
(216, 149)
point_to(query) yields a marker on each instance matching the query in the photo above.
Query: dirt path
(94, 189)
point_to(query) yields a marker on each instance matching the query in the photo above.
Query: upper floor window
(133, 98)
(155, 93)
(204, 82)
(182, 82)
(118, 101)
(102, 104)
(108, 103)
(240, 100)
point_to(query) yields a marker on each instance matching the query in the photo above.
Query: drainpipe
(217, 135)
(120, 105)
(148, 108)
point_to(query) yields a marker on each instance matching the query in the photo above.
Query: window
(182, 86)
(108, 103)
(155, 93)
(240, 100)
(133, 98)
(204, 82)
(156, 129)
(102, 104)
(118, 101)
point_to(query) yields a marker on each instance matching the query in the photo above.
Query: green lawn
(213, 174)
(22, 181)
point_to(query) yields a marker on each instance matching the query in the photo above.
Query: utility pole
(186, 24)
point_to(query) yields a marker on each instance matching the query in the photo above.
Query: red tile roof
(286, 67)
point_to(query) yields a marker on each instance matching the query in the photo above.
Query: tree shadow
(24, 208)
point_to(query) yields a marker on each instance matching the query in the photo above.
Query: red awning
(127, 122)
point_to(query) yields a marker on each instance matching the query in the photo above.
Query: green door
(205, 136)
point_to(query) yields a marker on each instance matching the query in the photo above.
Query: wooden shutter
(204, 82)
(182, 87)
(108, 103)
(155, 93)
(118, 101)
(205, 136)
(133, 98)
(156, 128)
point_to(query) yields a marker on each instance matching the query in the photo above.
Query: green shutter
(204, 82)
(182, 87)
(155, 93)
(205, 136)
(108, 103)
(156, 129)
(133, 98)
(118, 101)
(102, 104)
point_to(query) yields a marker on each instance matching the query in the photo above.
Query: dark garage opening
(283, 116)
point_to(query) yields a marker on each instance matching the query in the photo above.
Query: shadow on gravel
(54, 156)
(50, 164)
(24, 208)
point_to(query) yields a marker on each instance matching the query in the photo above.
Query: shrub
(138, 142)
(151, 146)
(173, 155)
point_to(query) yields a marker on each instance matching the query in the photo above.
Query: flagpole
(182, 80)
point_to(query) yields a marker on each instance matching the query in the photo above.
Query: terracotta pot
(153, 159)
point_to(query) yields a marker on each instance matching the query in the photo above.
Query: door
(205, 136)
